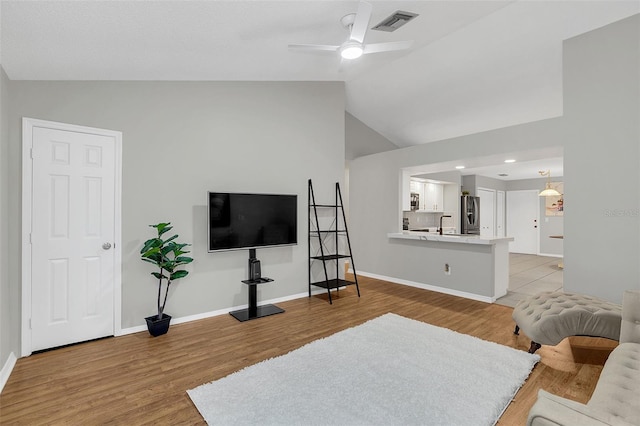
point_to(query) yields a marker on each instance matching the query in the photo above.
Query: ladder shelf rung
(331, 257)
(334, 283)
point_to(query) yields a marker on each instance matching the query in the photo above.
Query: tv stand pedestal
(254, 311)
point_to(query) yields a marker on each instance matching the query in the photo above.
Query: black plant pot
(158, 327)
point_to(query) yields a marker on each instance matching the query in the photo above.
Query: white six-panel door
(73, 274)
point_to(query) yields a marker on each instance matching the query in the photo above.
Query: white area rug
(388, 371)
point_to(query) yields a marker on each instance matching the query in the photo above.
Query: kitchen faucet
(444, 215)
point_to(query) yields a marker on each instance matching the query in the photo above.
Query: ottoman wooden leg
(534, 347)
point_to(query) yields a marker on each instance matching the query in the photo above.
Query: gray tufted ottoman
(547, 318)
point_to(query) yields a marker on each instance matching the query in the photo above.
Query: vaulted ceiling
(474, 65)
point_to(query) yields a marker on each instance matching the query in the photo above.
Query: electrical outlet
(447, 269)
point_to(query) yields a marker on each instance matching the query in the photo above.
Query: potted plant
(168, 256)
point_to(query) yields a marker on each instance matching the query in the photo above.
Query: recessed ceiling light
(459, 167)
(510, 161)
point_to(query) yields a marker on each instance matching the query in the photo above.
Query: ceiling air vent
(395, 21)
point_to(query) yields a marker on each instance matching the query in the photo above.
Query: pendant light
(548, 190)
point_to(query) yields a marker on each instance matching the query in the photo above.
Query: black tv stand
(254, 311)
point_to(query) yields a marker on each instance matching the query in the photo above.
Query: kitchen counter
(460, 264)
(449, 238)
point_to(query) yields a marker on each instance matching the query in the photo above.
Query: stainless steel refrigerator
(470, 215)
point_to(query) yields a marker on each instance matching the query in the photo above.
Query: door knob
(106, 246)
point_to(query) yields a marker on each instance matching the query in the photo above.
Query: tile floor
(531, 274)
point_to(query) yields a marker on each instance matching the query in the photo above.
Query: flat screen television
(248, 221)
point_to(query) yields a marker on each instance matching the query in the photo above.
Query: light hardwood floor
(137, 379)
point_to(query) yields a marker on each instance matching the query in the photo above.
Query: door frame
(28, 125)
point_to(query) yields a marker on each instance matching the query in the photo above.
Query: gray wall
(599, 134)
(601, 168)
(181, 139)
(9, 330)
(490, 183)
(471, 183)
(363, 140)
(360, 140)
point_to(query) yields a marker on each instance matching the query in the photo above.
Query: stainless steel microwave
(415, 201)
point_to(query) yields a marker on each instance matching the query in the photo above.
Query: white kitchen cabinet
(433, 197)
(417, 187)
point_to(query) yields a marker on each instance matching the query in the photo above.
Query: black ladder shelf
(326, 242)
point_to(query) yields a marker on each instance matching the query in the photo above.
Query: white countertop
(465, 239)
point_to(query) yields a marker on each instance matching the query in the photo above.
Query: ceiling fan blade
(361, 22)
(314, 47)
(387, 47)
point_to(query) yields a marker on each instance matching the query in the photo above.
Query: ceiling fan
(354, 47)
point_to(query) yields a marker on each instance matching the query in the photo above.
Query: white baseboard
(551, 255)
(444, 290)
(7, 369)
(224, 311)
(131, 330)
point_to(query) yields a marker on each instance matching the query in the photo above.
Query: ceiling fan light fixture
(357, 25)
(351, 50)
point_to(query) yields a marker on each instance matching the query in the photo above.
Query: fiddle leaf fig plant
(168, 256)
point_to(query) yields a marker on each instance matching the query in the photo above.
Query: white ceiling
(519, 170)
(526, 166)
(475, 65)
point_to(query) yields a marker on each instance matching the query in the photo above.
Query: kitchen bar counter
(463, 265)
(448, 238)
